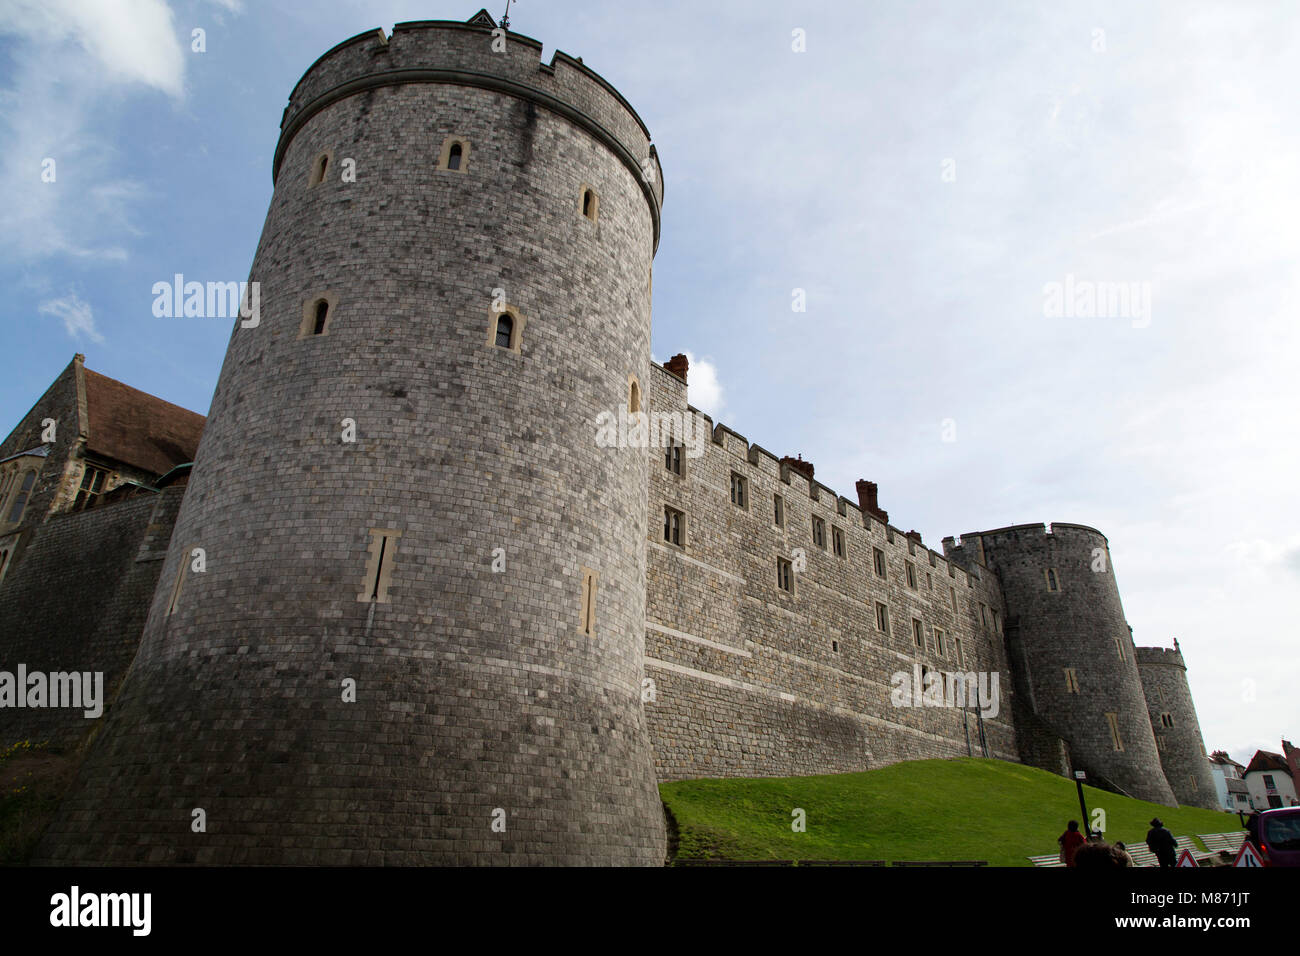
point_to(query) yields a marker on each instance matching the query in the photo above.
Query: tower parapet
(477, 56)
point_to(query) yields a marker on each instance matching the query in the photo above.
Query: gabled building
(1270, 782)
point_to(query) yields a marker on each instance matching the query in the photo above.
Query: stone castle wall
(1178, 738)
(475, 691)
(77, 601)
(753, 681)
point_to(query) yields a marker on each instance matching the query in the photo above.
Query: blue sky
(922, 171)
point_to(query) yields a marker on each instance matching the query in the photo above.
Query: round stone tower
(1066, 627)
(1178, 732)
(401, 619)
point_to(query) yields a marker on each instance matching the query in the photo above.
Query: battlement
(476, 54)
(1053, 529)
(788, 471)
(1166, 656)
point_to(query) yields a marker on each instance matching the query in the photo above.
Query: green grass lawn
(964, 809)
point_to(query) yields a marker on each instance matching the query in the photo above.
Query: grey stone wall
(475, 691)
(1181, 748)
(753, 681)
(1080, 625)
(77, 603)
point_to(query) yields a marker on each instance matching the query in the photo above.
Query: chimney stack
(867, 500)
(677, 365)
(804, 468)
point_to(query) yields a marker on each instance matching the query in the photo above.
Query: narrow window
(588, 602)
(938, 642)
(21, 499)
(1167, 719)
(505, 330)
(739, 491)
(1160, 693)
(590, 204)
(318, 169)
(1119, 647)
(837, 542)
(882, 617)
(318, 315)
(957, 650)
(92, 486)
(779, 505)
(505, 327)
(1113, 720)
(984, 615)
(379, 567)
(878, 557)
(918, 636)
(997, 625)
(673, 526)
(179, 583)
(953, 591)
(835, 646)
(1195, 787)
(1052, 583)
(819, 532)
(4, 562)
(929, 581)
(1160, 742)
(633, 395)
(673, 457)
(911, 574)
(784, 575)
(1071, 681)
(454, 156)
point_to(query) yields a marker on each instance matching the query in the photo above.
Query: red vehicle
(1279, 836)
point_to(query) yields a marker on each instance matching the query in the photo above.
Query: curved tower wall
(479, 698)
(1080, 625)
(1178, 739)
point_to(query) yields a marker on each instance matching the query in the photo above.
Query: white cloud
(77, 317)
(703, 389)
(133, 41)
(68, 58)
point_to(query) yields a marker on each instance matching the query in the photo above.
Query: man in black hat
(1162, 843)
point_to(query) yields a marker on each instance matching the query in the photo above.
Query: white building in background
(1229, 783)
(1270, 783)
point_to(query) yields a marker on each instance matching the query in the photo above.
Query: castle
(401, 605)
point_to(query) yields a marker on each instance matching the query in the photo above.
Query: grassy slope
(965, 809)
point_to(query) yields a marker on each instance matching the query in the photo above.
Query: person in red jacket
(1070, 842)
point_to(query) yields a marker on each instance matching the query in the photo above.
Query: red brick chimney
(867, 500)
(677, 365)
(1292, 756)
(804, 468)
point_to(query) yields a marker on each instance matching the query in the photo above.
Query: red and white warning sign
(1248, 856)
(1186, 859)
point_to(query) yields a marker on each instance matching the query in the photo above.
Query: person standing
(1162, 843)
(1070, 842)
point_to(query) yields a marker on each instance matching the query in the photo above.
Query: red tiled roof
(1265, 760)
(139, 429)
